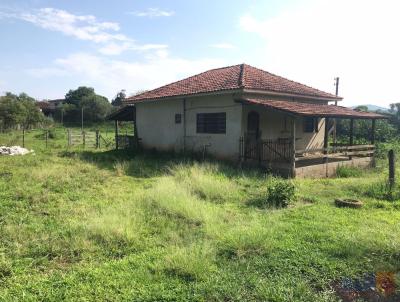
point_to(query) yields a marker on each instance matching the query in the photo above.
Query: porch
(125, 141)
(285, 156)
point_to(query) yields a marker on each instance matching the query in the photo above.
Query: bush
(280, 193)
(381, 190)
(344, 172)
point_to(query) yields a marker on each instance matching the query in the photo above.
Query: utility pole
(337, 88)
(335, 120)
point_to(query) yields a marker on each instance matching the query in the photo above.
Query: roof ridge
(187, 78)
(241, 76)
(278, 76)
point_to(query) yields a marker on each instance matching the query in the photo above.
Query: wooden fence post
(47, 137)
(83, 139)
(116, 135)
(97, 139)
(23, 137)
(391, 169)
(69, 137)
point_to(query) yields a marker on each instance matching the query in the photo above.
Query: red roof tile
(230, 78)
(312, 109)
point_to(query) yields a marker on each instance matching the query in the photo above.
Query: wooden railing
(336, 152)
(281, 150)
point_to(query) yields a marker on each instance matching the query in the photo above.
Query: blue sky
(49, 47)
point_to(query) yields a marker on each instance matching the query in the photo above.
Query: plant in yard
(280, 192)
(344, 172)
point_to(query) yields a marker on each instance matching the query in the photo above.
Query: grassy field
(101, 225)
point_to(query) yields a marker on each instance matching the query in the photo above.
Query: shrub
(381, 190)
(5, 269)
(280, 192)
(344, 172)
(53, 134)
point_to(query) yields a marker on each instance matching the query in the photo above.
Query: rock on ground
(14, 150)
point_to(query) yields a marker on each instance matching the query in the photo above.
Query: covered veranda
(125, 114)
(283, 156)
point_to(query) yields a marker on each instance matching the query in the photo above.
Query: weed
(345, 172)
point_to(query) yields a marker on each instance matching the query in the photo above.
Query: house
(48, 107)
(246, 114)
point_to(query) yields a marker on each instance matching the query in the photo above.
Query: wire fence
(58, 138)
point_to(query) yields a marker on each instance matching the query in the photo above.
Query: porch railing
(281, 151)
(336, 152)
(266, 150)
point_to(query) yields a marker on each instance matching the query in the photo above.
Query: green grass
(86, 225)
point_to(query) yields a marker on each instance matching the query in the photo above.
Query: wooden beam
(326, 137)
(373, 132)
(293, 151)
(351, 139)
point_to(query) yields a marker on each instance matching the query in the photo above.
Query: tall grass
(113, 226)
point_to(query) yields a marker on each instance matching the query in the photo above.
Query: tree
(119, 98)
(95, 107)
(19, 111)
(361, 108)
(74, 97)
(395, 115)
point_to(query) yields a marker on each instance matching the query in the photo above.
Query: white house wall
(157, 127)
(222, 145)
(156, 124)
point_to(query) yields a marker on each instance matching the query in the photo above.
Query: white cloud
(108, 76)
(84, 27)
(223, 45)
(117, 48)
(355, 40)
(152, 13)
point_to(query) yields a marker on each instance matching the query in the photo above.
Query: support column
(293, 151)
(326, 138)
(351, 140)
(116, 134)
(373, 163)
(373, 132)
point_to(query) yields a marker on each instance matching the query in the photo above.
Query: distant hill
(372, 107)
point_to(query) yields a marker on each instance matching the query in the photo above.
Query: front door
(253, 125)
(252, 136)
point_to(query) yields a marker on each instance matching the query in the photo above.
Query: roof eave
(300, 96)
(322, 115)
(181, 96)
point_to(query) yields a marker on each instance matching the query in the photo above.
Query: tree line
(385, 129)
(19, 111)
(22, 111)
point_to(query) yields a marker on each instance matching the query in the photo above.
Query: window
(178, 118)
(310, 124)
(211, 122)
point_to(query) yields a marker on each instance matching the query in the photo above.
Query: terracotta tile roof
(312, 109)
(231, 78)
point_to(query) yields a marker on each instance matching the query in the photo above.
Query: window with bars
(211, 122)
